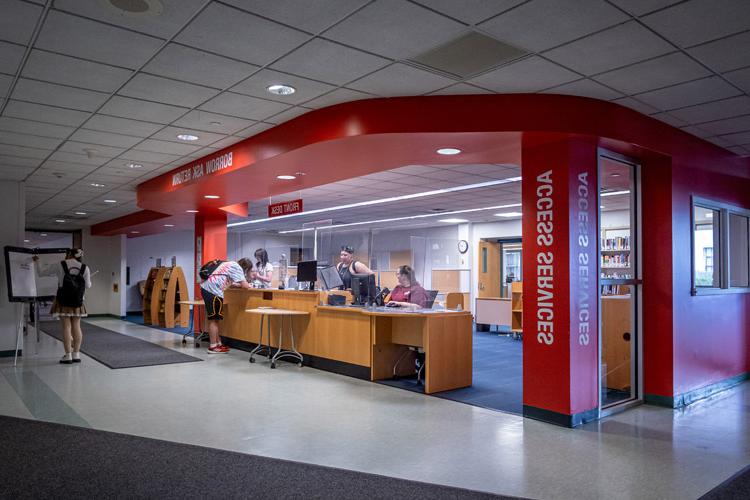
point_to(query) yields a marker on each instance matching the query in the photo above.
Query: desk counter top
(393, 311)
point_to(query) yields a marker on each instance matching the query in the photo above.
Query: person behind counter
(408, 293)
(263, 273)
(227, 274)
(349, 266)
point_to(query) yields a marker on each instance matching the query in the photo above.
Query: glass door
(619, 279)
(511, 261)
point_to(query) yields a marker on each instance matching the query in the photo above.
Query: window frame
(721, 257)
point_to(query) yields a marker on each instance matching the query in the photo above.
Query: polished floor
(323, 418)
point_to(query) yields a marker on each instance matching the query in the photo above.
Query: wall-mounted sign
(198, 170)
(285, 208)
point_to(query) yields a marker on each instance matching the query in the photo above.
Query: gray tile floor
(323, 418)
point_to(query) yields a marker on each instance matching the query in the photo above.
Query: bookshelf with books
(155, 298)
(148, 291)
(615, 258)
(516, 309)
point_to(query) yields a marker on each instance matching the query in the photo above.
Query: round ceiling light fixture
(168, 225)
(286, 177)
(110, 201)
(187, 137)
(448, 151)
(281, 89)
(60, 220)
(211, 197)
(97, 185)
(81, 213)
(42, 234)
(192, 211)
(135, 165)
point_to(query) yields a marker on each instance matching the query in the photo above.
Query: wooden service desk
(383, 335)
(357, 341)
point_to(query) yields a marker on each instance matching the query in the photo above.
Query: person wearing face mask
(408, 293)
(348, 265)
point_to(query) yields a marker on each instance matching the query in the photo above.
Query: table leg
(281, 353)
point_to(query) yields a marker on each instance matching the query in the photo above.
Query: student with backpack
(73, 278)
(217, 276)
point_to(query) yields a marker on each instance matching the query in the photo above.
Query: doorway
(620, 283)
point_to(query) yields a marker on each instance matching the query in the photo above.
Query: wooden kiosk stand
(165, 288)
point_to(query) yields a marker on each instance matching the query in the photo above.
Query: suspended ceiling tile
(142, 110)
(687, 94)
(33, 127)
(11, 173)
(171, 133)
(740, 78)
(727, 126)
(76, 36)
(18, 21)
(155, 146)
(105, 138)
(698, 21)
(226, 142)
(66, 166)
(99, 150)
(173, 16)
(586, 88)
(10, 57)
(725, 54)
(337, 97)
(395, 28)
(254, 129)
(400, 79)
(716, 110)
(29, 141)
(528, 75)
(329, 62)
(470, 11)
(48, 114)
(618, 46)
(653, 74)
(65, 70)
(668, 118)
(637, 105)
(308, 16)
(16, 161)
(154, 88)
(5, 83)
(542, 24)
(80, 158)
(196, 66)
(738, 139)
(641, 7)
(258, 84)
(243, 106)
(58, 95)
(212, 122)
(460, 89)
(106, 123)
(240, 35)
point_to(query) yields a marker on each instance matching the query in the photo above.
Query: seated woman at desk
(349, 265)
(263, 272)
(408, 293)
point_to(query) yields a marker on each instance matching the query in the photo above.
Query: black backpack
(208, 268)
(70, 293)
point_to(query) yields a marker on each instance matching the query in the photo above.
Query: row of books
(616, 260)
(616, 243)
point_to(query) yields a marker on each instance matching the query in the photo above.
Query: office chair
(419, 351)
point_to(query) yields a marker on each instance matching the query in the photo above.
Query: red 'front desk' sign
(285, 208)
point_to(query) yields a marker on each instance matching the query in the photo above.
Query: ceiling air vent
(469, 55)
(135, 7)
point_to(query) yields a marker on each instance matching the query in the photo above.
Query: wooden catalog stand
(162, 298)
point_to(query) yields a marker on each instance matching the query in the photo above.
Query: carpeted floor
(138, 320)
(736, 487)
(45, 460)
(119, 351)
(497, 378)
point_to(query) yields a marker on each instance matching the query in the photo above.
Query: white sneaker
(67, 359)
(76, 357)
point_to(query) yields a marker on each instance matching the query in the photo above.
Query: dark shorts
(214, 305)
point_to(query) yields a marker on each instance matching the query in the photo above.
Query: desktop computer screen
(307, 271)
(363, 288)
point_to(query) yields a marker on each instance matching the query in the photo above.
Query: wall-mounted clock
(463, 246)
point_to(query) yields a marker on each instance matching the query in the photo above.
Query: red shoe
(218, 349)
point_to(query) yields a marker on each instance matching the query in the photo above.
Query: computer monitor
(363, 288)
(307, 271)
(331, 278)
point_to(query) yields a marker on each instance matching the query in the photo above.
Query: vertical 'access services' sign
(285, 208)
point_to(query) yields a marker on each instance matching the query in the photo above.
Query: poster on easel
(24, 282)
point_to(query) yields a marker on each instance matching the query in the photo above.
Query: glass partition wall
(620, 282)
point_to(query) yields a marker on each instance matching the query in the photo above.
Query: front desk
(361, 342)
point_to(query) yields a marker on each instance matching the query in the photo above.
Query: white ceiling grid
(77, 76)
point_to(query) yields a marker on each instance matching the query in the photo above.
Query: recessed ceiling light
(60, 220)
(453, 221)
(214, 123)
(42, 234)
(286, 177)
(509, 214)
(80, 213)
(168, 225)
(211, 197)
(614, 193)
(280, 89)
(448, 151)
(192, 211)
(135, 165)
(110, 201)
(97, 185)
(25, 241)
(187, 137)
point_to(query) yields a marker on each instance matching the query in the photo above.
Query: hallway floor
(318, 417)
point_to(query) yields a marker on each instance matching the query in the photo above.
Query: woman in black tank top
(348, 266)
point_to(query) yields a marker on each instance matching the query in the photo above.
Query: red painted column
(210, 241)
(560, 296)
